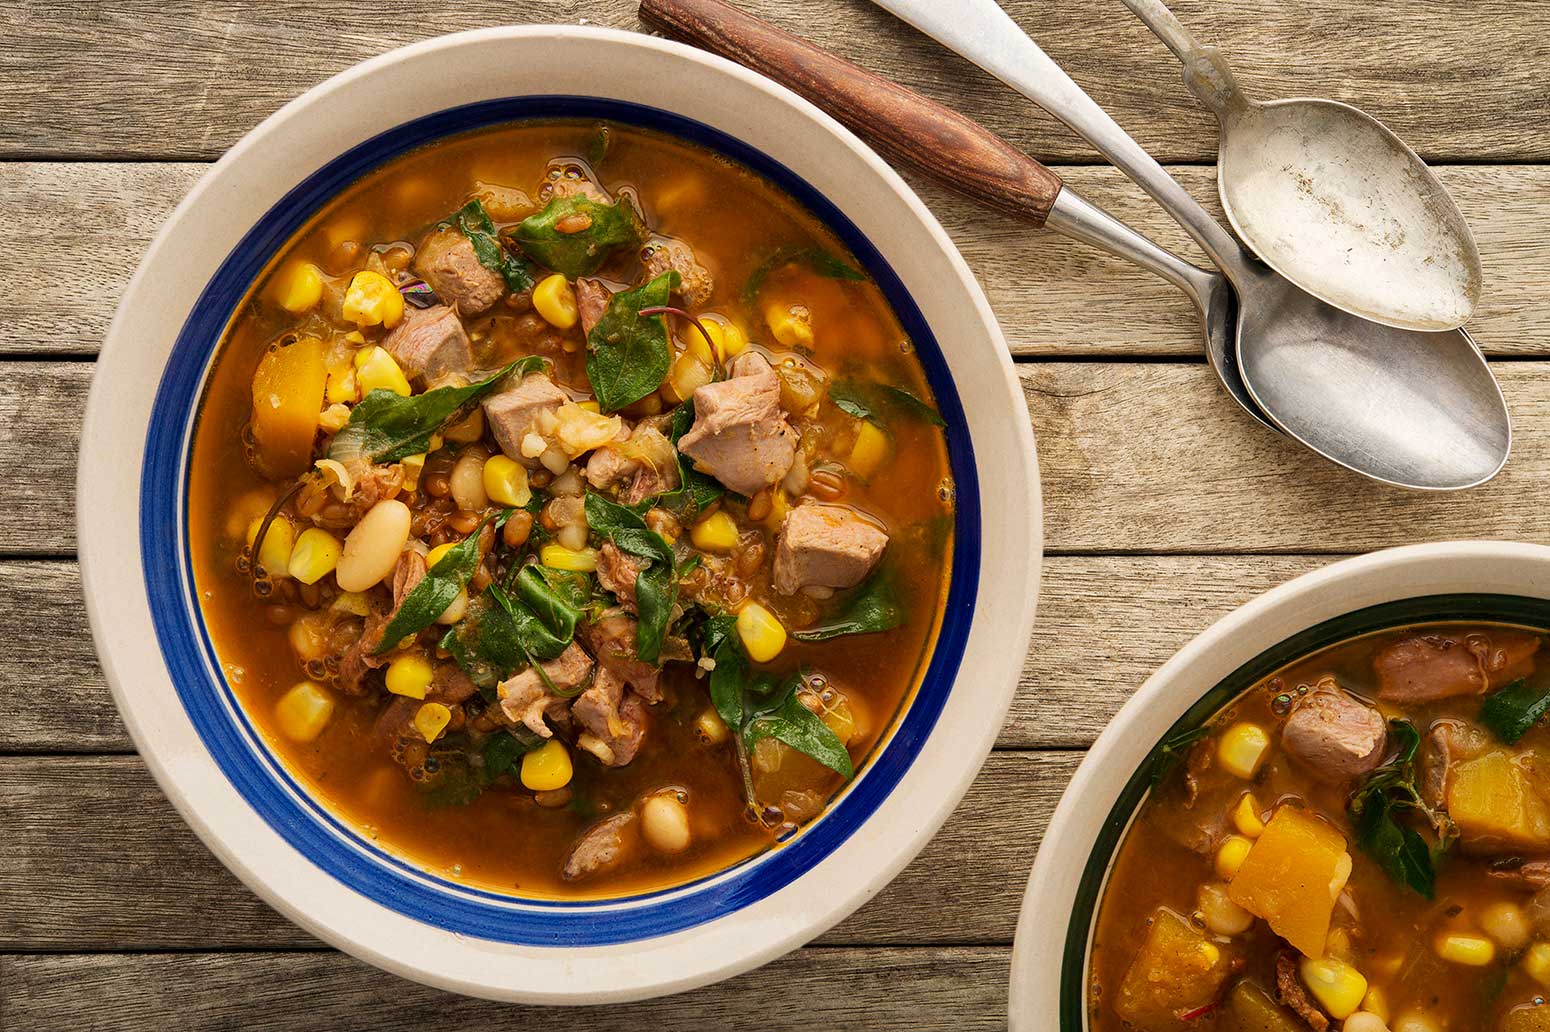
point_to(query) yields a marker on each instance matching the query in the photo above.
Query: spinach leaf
(1510, 712)
(876, 401)
(462, 774)
(787, 720)
(600, 229)
(475, 223)
(536, 639)
(437, 590)
(815, 258)
(484, 643)
(871, 607)
(1171, 751)
(386, 427)
(731, 670)
(553, 609)
(1379, 810)
(627, 353)
(656, 587)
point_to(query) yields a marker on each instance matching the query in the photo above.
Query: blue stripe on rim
(319, 835)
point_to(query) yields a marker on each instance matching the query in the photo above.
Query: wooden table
(1165, 507)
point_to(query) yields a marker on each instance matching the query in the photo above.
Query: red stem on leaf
(674, 310)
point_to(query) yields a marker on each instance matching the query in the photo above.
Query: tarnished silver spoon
(1409, 408)
(1331, 199)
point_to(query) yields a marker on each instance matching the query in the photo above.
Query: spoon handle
(984, 33)
(903, 125)
(1206, 71)
(938, 142)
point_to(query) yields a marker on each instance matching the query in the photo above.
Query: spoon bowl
(1331, 199)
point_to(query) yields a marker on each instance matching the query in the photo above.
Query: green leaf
(1510, 712)
(553, 609)
(503, 749)
(871, 607)
(437, 590)
(905, 402)
(475, 223)
(695, 490)
(847, 397)
(534, 637)
(880, 402)
(1398, 848)
(815, 258)
(484, 643)
(386, 427)
(787, 720)
(1171, 751)
(628, 354)
(730, 674)
(1378, 811)
(581, 253)
(656, 587)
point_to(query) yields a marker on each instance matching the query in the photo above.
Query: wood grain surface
(1164, 508)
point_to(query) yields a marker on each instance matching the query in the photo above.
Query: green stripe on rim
(1499, 609)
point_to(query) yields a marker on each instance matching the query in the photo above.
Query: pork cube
(514, 412)
(740, 436)
(695, 283)
(825, 546)
(447, 261)
(525, 698)
(1428, 667)
(431, 343)
(1336, 736)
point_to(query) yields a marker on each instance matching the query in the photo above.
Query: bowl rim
(105, 590)
(1406, 584)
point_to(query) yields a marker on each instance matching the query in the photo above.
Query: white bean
(572, 536)
(372, 548)
(567, 484)
(1221, 914)
(665, 823)
(1416, 1021)
(1364, 1021)
(456, 611)
(467, 482)
(1507, 924)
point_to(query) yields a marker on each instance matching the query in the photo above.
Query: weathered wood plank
(1053, 297)
(1134, 457)
(845, 990)
(185, 79)
(1105, 622)
(75, 874)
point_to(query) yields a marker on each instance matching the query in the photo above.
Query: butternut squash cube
(1494, 805)
(287, 401)
(1177, 970)
(1292, 876)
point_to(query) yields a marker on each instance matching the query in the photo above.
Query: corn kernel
(1245, 817)
(762, 634)
(409, 676)
(546, 768)
(688, 374)
(438, 553)
(790, 324)
(726, 341)
(869, 451)
(1337, 986)
(1536, 963)
(590, 406)
(303, 712)
(1210, 952)
(1469, 950)
(505, 482)
(1376, 1003)
(297, 288)
(1230, 856)
(372, 300)
(555, 302)
(468, 429)
(340, 387)
(578, 560)
(1242, 749)
(315, 555)
(413, 466)
(274, 555)
(431, 720)
(356, 603)
(308, 638)
(715, 533)
(375, 369)
(711, 727)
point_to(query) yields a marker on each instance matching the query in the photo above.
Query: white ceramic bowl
(199, 745)
(1449, 580)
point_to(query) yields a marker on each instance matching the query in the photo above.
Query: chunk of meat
(515, 411)
(641, 466)
(613, 716)
(1428, 667)
(592, 299)
(1335, 735)
(695, 282)
(740, 436)
(431, 343)
(1291, 993)
(616, 571)
(612, 640)
(449, 684)
(825, 546)
(361, 656)
(1527, 875)
(396, 721)
(525, 699)
(599, 847)
(447, 261)
(574, 186)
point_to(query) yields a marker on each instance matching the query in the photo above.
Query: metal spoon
(957, 152)
(1413, 409)
(1331, 199)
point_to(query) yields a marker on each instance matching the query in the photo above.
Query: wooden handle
(957, 152)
